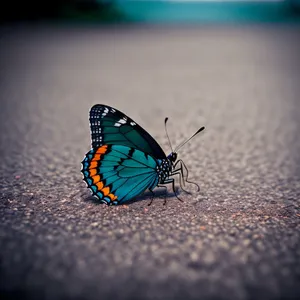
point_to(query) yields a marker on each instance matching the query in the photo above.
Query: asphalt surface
(239, 238)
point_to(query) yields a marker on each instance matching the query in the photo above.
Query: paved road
(239, 238)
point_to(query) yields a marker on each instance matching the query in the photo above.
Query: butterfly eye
(173, 156)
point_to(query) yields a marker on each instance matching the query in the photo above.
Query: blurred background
(151, 10)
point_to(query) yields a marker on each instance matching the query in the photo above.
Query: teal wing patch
(123, 173)
(111, 127)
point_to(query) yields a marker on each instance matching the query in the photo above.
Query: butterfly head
(172, 157)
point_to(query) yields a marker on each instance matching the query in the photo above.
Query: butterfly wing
(111, 127)
(116, 173)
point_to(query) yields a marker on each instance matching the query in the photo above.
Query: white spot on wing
(122, 121)
(118, 124)
(132, 123)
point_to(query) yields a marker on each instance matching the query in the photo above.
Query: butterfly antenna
(166, 120)
(180, 145)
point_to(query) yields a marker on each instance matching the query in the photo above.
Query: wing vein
(135, 187)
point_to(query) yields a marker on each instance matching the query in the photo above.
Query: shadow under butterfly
(125, 160)
(146, 196)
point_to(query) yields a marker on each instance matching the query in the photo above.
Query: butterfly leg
(165, 199)
(179, 169)
(152, 197)
(187, 175)
(181, 178)
(181, 174)
(182, 165)
(171, 180)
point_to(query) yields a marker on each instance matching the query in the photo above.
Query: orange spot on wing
(112, 196)
(99, 185)
(96, 157)
(102, 149)
(93, 172)
(96, 179)
(93, 165)
(105, 191)
(98, 153)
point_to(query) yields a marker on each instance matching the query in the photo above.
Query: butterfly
(125, 160)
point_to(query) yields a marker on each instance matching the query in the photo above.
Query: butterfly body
(124, 160)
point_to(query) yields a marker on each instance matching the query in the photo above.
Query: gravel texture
(239, 238)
